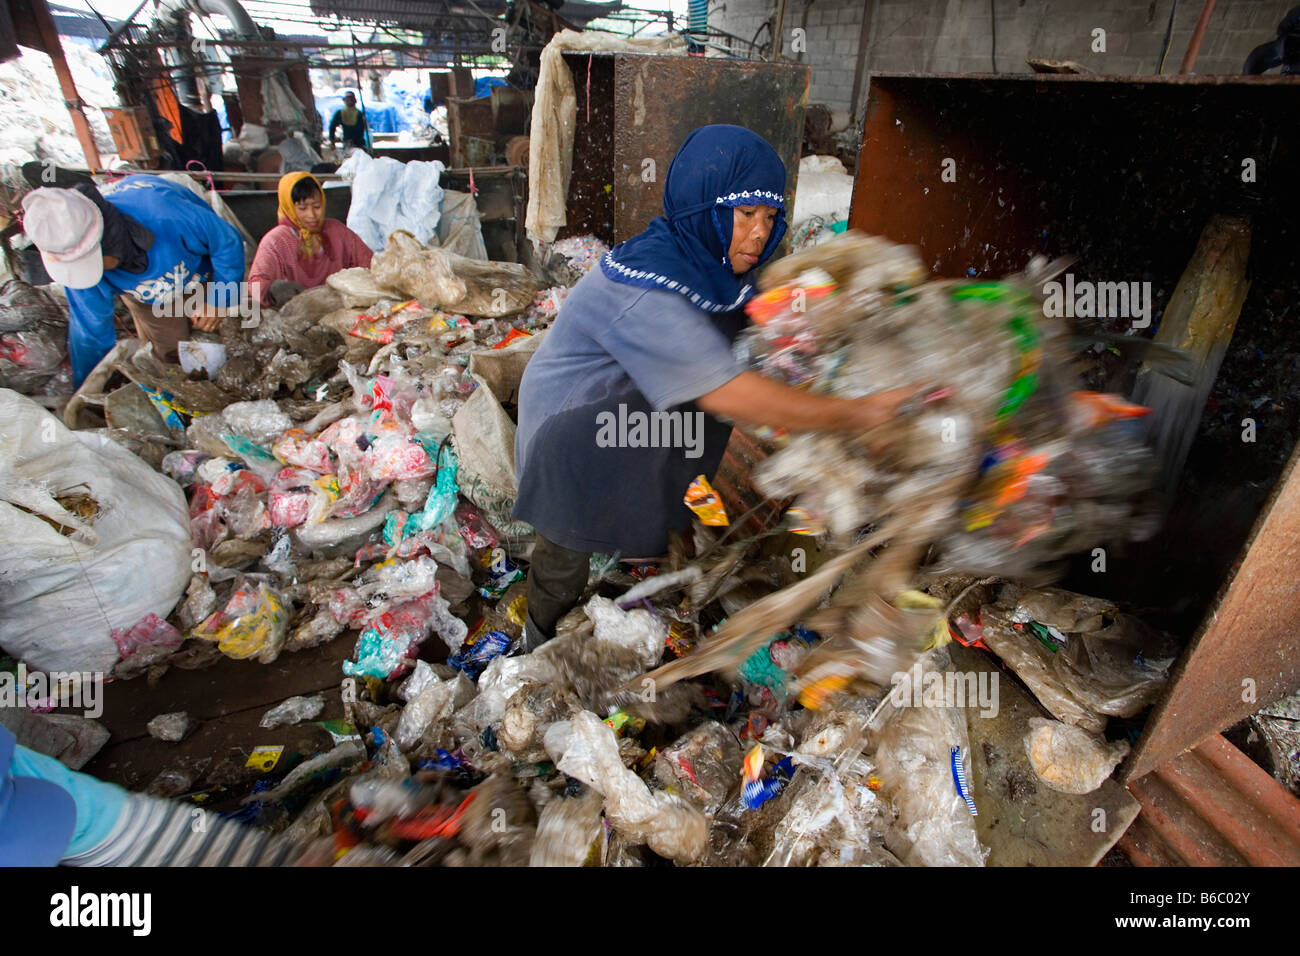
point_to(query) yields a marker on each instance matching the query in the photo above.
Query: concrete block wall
(958, 36)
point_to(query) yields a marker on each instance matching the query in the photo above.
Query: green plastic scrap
(760, 669)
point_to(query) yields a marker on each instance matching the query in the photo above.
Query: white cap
(67, 227)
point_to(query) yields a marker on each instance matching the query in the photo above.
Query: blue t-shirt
(609, 435)
(189, 241)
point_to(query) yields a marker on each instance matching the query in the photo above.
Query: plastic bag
(1086, 670)
(252, 624)
(150, 631)
(1069, 759)
(394, 636)
(570, 832)
(388, 195)
(447, 281)
(485, 446)
(459, 228)
(914, 756)
(171, 728)
(434, 702)
(669, 825)
(703, 765)
(66, 592)
(292, 711)
(261, 422)
(359, 289)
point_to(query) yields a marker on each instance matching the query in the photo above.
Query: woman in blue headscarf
(619, 407)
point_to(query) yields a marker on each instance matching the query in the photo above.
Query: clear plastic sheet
(295, 710)
(670, 826)
(913, 753)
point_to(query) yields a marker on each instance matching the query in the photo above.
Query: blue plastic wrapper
(758, 792)
(501, 574)
(445, 761)
(476, 657)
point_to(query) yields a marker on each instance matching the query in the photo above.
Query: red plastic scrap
(442, 821)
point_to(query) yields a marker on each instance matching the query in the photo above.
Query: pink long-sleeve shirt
(278, 257)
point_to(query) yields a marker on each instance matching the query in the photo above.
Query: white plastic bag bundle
(388, 196)
(60, 596)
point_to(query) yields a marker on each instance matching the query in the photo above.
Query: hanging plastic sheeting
(280, 105)
(388, 196)
(555, 111)
(91, 539)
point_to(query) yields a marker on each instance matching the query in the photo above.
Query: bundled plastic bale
(66, 582)
(1069, 759)
(447, 281)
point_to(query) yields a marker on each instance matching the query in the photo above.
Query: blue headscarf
(685, 249)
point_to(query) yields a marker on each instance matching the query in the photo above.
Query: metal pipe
(232, 10)
(1198, 34)
(71, 98)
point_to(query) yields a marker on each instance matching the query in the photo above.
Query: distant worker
(305, 248)
(352, 120)
(154, 243)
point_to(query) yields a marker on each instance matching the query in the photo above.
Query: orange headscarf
(308, 241)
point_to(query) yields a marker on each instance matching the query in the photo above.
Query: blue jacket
(190, 240)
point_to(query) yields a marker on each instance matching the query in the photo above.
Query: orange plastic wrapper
(704, 501)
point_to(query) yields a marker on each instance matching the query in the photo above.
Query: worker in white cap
(153, 242)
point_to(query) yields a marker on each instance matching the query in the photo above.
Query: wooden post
(50, 39)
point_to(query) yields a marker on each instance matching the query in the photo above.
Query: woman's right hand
(874, 410)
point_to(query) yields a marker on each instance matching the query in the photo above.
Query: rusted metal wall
(1123, 172)
(642, 108)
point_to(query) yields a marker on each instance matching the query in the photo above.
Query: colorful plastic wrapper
(476, 531)
(290, 497)
(479, 654)
(704, 501)
(295, 447)
(252, 624)
(149, 631)
(183, 465)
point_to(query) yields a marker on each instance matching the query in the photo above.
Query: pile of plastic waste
(1000, 468)
(346, 467)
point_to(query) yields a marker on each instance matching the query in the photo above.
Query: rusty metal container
(633, 108)
(1125, 173)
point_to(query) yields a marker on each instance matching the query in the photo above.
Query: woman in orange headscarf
(305, 248)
